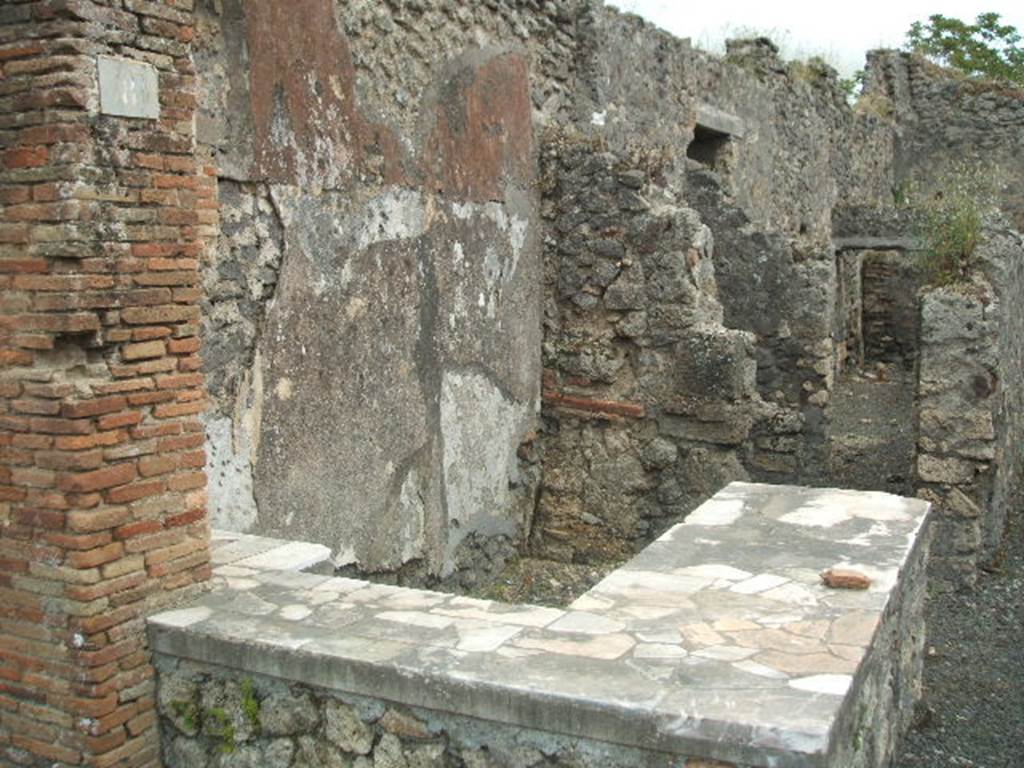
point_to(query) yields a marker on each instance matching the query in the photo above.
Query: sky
(839, 32)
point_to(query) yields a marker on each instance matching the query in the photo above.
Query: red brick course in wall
(102, 490)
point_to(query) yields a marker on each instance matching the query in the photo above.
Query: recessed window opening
(709, 147)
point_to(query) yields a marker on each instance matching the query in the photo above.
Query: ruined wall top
(943, 119)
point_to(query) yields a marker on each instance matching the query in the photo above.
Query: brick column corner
(102, 491)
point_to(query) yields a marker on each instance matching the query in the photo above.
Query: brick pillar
(102, 493)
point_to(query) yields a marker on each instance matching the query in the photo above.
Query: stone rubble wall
(970, 372)
(647, 396)
(890, 318)
(970, 401)
(768, 205)
(217, 717)
(364, 219)
(943, 120)
(103, 222)
(756, 237)
(309, 162)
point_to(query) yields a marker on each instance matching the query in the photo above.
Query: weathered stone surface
(945, 121)
(969, 399)
(773, 664)
(345, 729)
(287, 713)
(416, 257)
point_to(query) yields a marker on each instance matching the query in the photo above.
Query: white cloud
(839, 32)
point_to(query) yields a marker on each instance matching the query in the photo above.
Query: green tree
(985, 49)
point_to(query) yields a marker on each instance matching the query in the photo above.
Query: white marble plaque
(128, 88)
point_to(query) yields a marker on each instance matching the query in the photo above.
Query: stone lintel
(720, 121)
(877, 243)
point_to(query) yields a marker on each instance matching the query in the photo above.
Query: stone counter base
(719, 645)
(215, 717)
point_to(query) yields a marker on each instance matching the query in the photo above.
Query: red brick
(94, 557)
(138, 752)
(33, 477)
(32, 442)
(78, 443)
(39, 518)
(167, 278)
(46, 749)
(69, 460)
(127, 419)
(14, 195)
(36, 407)
(47, 499)
(155, 162)
(107, 477)
(10, 493)
(24, 265)
(118, 650)
(16, 357)
(173, 265)
(185, 518)
(149, 398)
(178, 409)
(95, 407)
(158, 430)
(91, 592)
(158, 365)
(176, 565)
(143, 351)
(142, 722)
(157, 465)
(78, 541)
(190, 363)
(102, 621)
(84, 500)
(181, 443)
(179, 381)
(186, 482)
(154, 332)
(139, 528)
(51, 391)
(60, 426)
(183, 346)
(127, 385)
(102, 744)
(129, 493)
(19, 51)
(161, 314)
(25, 157)
(36, 341)
(87, 521)
(614, 407)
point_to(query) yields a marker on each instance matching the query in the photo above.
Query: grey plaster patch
(481, 429)
(232, 505)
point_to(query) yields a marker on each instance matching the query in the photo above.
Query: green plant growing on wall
(852, 86)
(216, 719)
(251, 704)
(189, 713)
(985, 49)
(219, 725)
(950, 220)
